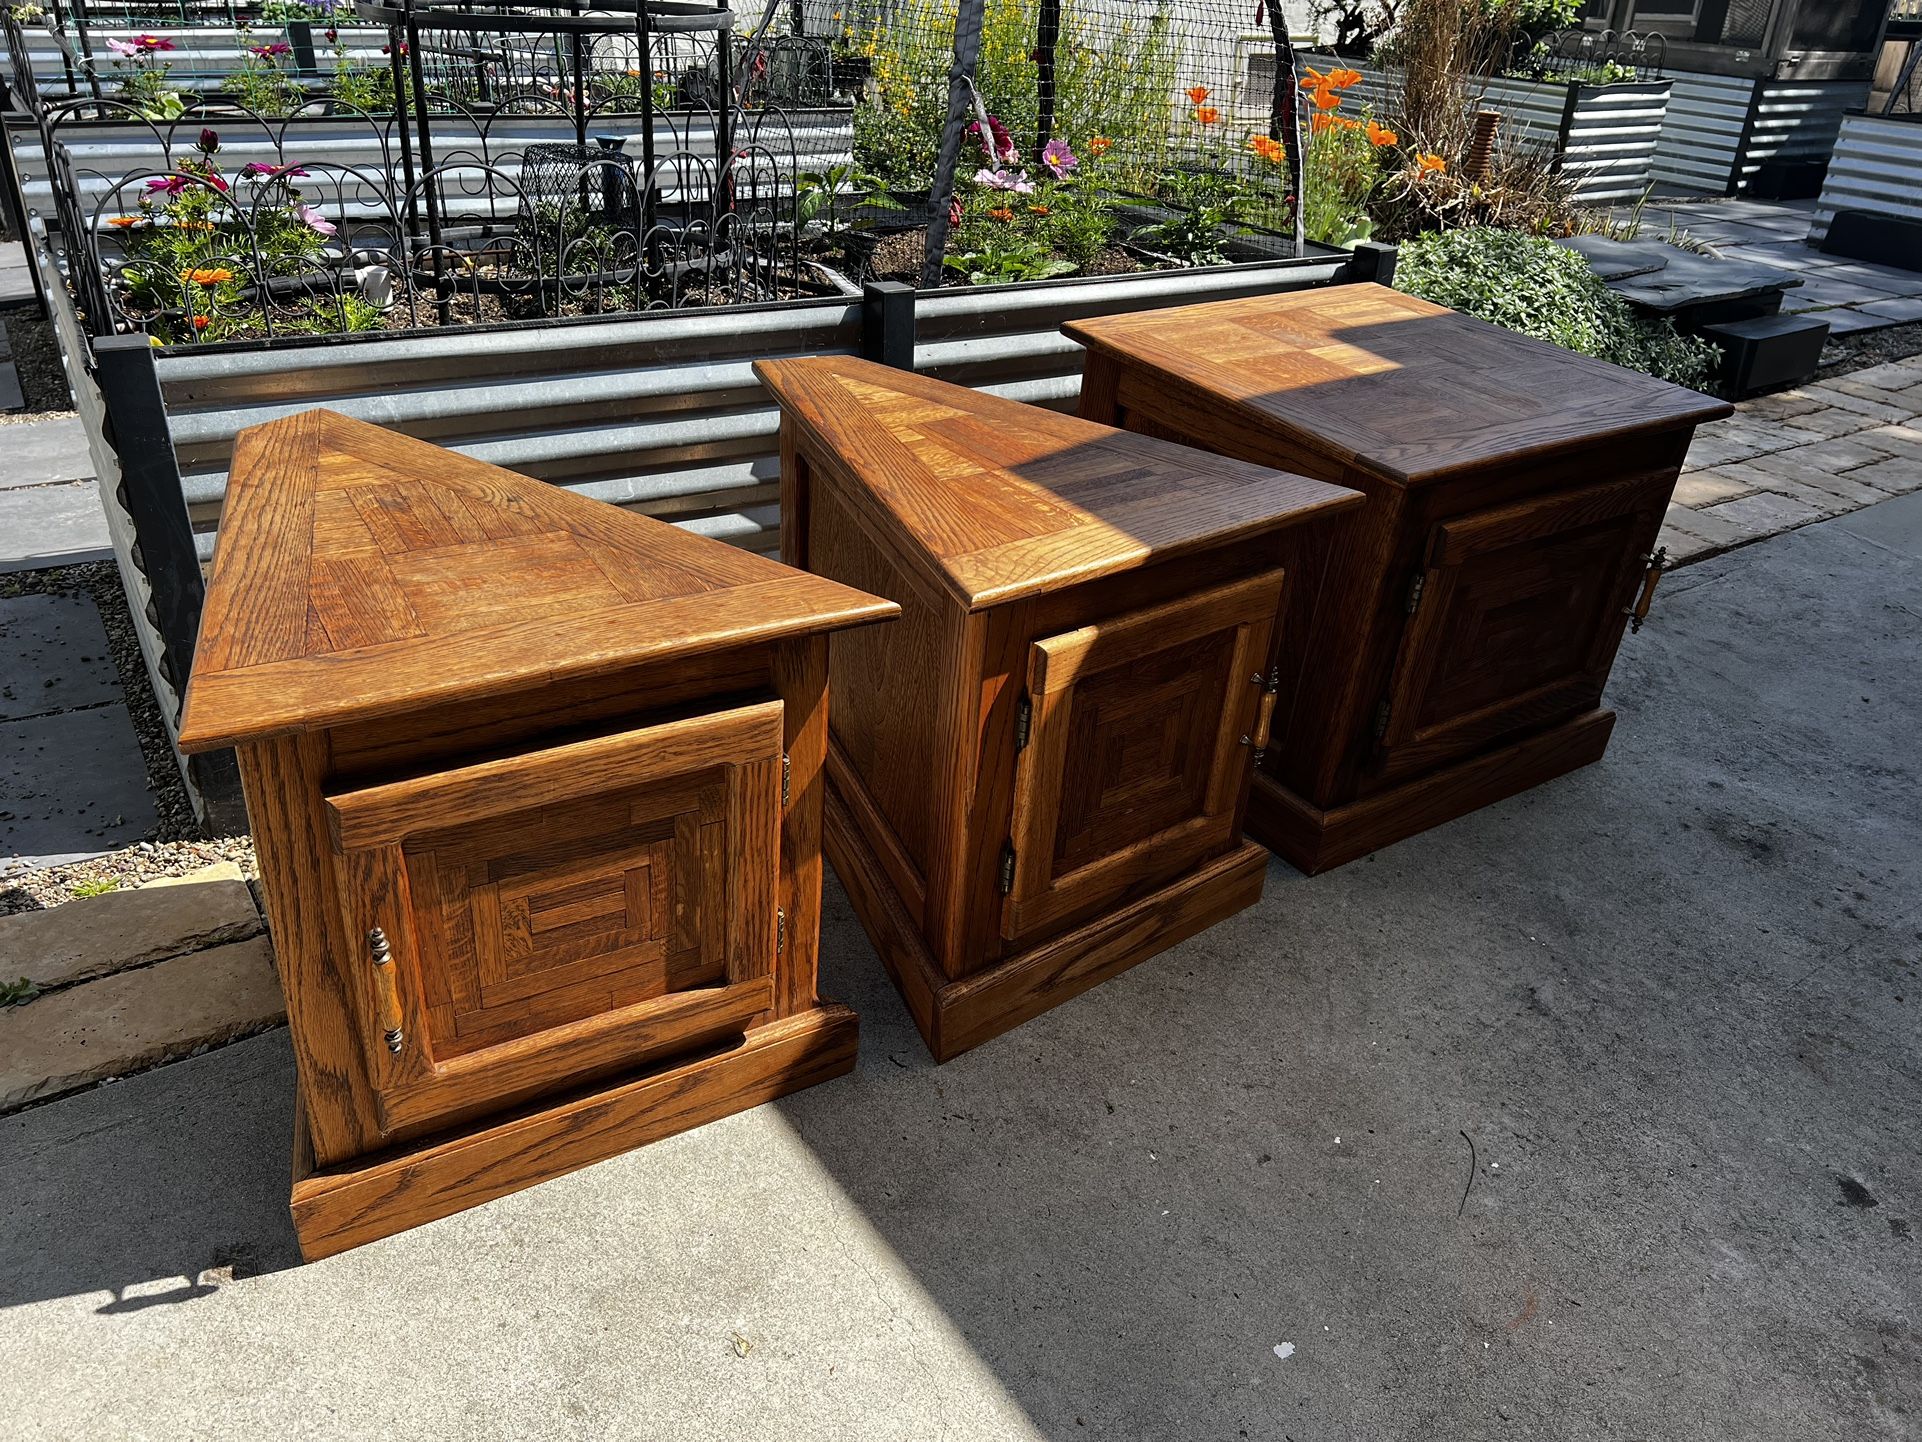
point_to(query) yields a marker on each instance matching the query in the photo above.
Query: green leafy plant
(196, 254)
(1208, 205)
(368, 88)
(819, 196)
(262, 83)
(98, 886)
(144, 76)
(1530, 284)
(18, 993)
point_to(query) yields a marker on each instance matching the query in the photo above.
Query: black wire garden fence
(492, 161)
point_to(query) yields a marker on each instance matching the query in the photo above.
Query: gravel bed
(127, 868)
(1865, 348)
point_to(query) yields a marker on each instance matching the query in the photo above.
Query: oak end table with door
(1449, 645)
(1037, 775)
(535, 786)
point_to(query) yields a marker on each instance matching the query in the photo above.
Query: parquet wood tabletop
(361, 572)
(1005, 500)
(1390, 383)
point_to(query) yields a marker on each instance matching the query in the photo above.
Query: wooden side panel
(281, 779)
(885, 721)
(801, 681)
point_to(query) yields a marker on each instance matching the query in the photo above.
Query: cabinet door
(1135, 763)
(554, 915)
(1519, 614)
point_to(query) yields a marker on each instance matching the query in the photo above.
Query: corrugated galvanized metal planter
(1877, 167)
(1603, 136)
(1722, 132)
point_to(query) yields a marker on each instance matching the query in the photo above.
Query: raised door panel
(1520, 611)
(1135, 764)
(556, 915)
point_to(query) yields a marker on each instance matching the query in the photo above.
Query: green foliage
(18, 993)
(279, 12)
(99, 886)
(818, 197)
(191, 249)
(1341, 171)
(1111, 80)
(143, 85)
(262, 84)
(1530, 284)
(368, 88)
(1209, 205)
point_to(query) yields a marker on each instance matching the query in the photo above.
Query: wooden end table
(1450, 647)
(535, 788)
(1038, 774)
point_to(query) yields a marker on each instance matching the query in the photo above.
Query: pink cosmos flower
(1059, 158)
(271, 50)
(171, 185)
(254, 170)
(316, 222)
(152, 43)
(1015, 181)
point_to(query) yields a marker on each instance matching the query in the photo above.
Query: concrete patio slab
(54, 525)
(72, 784)
(98, 935)
(39, 453)
(53, 656)
(1668, 1001)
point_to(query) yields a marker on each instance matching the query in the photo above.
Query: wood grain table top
(1008, 500)
(360, 573)
(1411, 391)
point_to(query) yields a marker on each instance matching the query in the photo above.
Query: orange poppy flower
(1100, 145)
(1197, 94)
(1314, 79)
(1206, 115)
(1268, 148)
(1325, 99)
(1381, 135)
(1342, 79)
(123, 221)
(1428, 163)
(1039, 210)
(1001, 215)
(212, 276)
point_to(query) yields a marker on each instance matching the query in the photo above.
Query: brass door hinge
(1415, 588)
(1381, 720)
(786, 767)
(1023, 724)
(1007, 869)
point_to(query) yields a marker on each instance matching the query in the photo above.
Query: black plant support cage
(570, 158)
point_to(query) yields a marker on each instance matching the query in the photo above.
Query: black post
(1284, 117)
(150, 493)
(300, 35)
(1372, 260)
(1046, 36)
(967, 52)
(887, 323)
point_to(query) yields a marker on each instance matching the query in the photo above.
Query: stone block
(138, 1019)
(98, 935)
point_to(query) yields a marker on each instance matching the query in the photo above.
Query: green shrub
(1532, 285)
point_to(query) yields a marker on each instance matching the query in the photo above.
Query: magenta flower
(254, 170)
(1057, 156)
(271, 50)
(209, 141)
(1015, 182)
(172, 185)
(999, 145)
(151, 43)
(316, 222)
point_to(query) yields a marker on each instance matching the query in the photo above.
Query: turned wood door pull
(1638, 613)
(386, 990)
(1264, 711)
